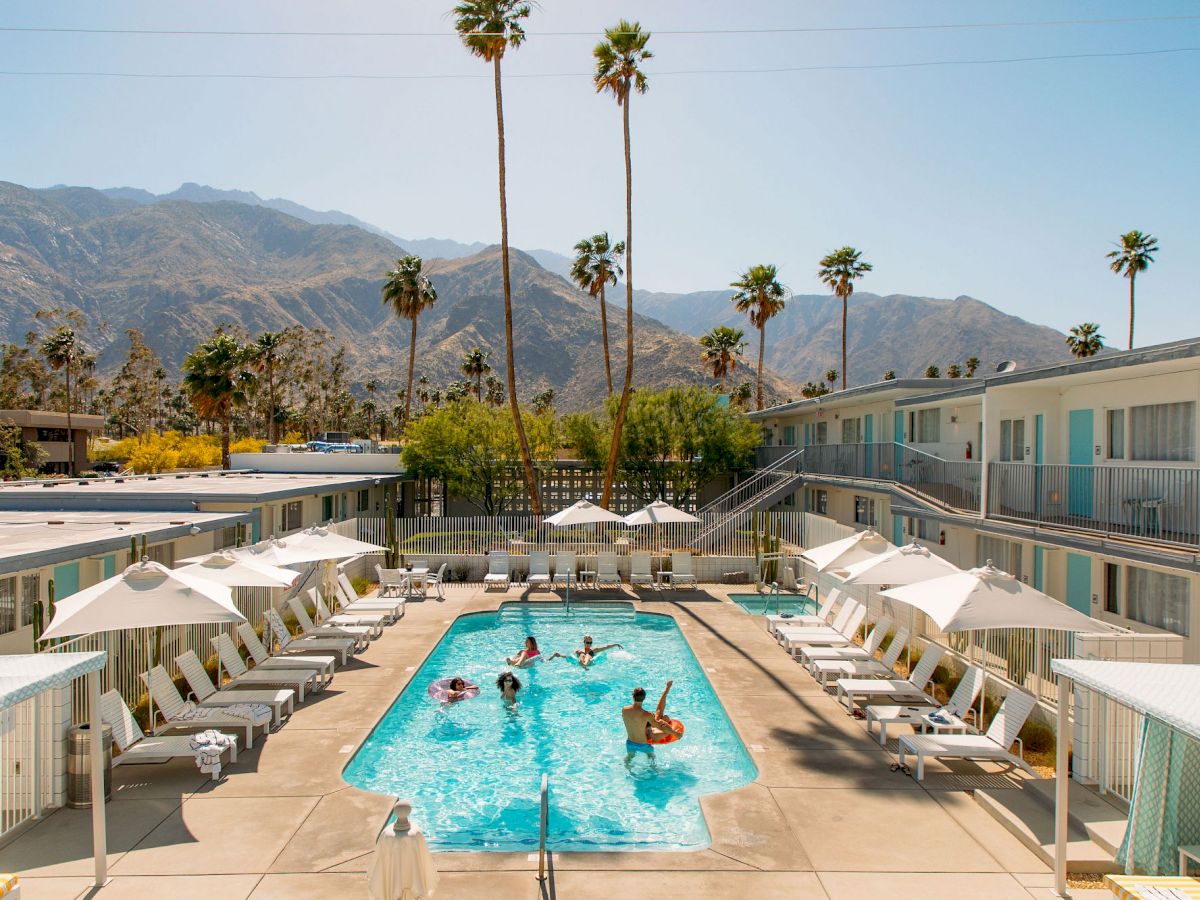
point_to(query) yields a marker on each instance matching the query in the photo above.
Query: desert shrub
(363, 585)
(1038, 738)
(247, 445)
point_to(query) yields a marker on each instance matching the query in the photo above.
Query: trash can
(79, 765)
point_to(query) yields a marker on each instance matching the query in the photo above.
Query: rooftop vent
(1005, 367)
(56, 522)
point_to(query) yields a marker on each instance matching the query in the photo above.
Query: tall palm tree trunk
(604, 335)
(1132, 276)
(412, 363)
(71, 433)
(535, 500)
(226, 428)
(610, 473)
(762, 347)
(844, 304)
(273, 426)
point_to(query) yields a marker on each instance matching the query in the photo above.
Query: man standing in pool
(587, 653)
(642, 725)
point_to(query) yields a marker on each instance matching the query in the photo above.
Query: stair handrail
(789, 461)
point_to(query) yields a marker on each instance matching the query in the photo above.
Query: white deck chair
(873, 641)
(681, 569)
(360, 634)
(828, 637)
(281, 700)
(639, 569)
(606, 570)
(351, 602)
(391, 581)
(181, 716)
(437, 580)
(374, 621)
(827, 670)
(823, 615)
(323, 665)
(289, 645)
(850, 690)
(564, 567)
(539, 569)
(783, 633)
(957, 707)
(994, 744)
(299, 680)
(497, 573)
(135, 747)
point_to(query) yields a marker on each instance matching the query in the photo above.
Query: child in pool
(509, 684)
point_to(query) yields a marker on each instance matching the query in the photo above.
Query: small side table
(662, 578)
(954, 726)
(1191, 852)
(586, 575)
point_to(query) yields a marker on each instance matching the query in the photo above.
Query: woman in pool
(458, 689)
(509, 684)
(527, 655)
(587, 653)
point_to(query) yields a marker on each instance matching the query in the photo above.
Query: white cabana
(26, 676)
(843, 553)
(233, 571)
(582, 512)
(1164, 692)
(659, 513)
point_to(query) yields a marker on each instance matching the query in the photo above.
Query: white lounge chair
(375, 621)
(874, 640)
(391, 581)
(681, 569)
(956, 708)
(786, 632)
(606, 570)
(828, 637)
(994, 744)
(135, 747)
(851, 690)
(564, 567)
(290, 645)
(299, 680)
(281, 700)
(827, 670)
(639, 569)
(181, 716)
(497, 573)
(823, 615)
(323, 665)
(351, 602)
(360, 634)
(539, 569)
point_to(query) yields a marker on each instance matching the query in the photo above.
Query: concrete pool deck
(826, 817)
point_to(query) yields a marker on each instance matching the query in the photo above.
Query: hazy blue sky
(1006, 182)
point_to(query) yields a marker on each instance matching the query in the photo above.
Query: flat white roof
(1167, 692)
(27, 675)
(32, 539)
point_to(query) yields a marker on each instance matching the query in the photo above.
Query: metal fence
(1157, 502)
(952, 483)
(27, 782)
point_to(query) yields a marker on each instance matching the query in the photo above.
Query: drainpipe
(983, 458)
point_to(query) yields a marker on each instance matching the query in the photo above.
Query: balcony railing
(1142, 501)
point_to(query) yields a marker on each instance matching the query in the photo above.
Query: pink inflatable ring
(440, 690)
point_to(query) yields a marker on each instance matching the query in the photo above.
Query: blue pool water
(761, 604)
(473, 768)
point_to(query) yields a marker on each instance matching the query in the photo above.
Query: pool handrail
(543, 825)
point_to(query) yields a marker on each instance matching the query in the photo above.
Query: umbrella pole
(149, 693)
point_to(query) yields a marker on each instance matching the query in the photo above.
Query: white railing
(27, 779)
(543, 825)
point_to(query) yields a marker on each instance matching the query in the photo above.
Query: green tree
(266, 353)
(619, 58)
(954, 370)
(494, 395)
(594, 268)
(723, 347)
(831, 377)
(889, 375)
(758, 293)
(675, 441)
(135, 393)
(972, 365)
(64, 353)
(409, 292)
(740, 395)
(475, 366)
(933, 372)
(840, 269)
(19, 459)
(814, 389)
(543, 402)
(487, 29)
(1085, 340)
(1135, 252)
(216, 378)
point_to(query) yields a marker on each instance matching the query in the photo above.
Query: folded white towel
(208, 746)
(251, 712)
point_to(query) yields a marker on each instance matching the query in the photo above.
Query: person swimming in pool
(457, 689)
(641, 725)
(527, 655)
(587, 653)
(509, 684)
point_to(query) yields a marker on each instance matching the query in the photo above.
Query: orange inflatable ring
(668, 738)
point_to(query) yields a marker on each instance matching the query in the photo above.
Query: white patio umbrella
(843, 553)
(145, 595)
(658, 513)
(582, 512)
(314, 544)
(234, 571)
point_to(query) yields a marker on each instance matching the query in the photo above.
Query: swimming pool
(761, 604)
(473, 769)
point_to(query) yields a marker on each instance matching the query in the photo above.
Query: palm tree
(475, 366)
(409, 292)
(1085, 340)
(61, 350)
(488, 28)
(889, 375)
(618, 60)
(596, 266)
(972, 364)
(839, 270)
(266, 352)
(722, 348)
(216, 378)
(1135, 251)
(758, 293)
(954, 370)
(933, 372)
(831, 376)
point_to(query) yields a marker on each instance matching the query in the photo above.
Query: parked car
(106, 468)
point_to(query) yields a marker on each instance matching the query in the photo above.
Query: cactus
(392, 557)
(38, 624)
(144, 550)
(133, 556)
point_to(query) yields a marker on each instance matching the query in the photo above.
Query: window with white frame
(1163, 432)
(1115, 432)
(1004, 555)
(1012, 440)
(1157, 599)
(818, 501)
(163, 554)
(821, 433)
(852, 430)
(364, 501)
(864, 510)
(31, 590)
(8, 605)
(1112, 588)
(924, 529)
(925, 426)
(291, 516)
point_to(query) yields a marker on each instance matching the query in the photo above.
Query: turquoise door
(897, 530)
(66, 580)
(1079, 582)
(897, 446)
(807, 434)
(868, 438)
(1039, 566)
(1080, 439)
(1038, 431)
(109, 564)
(789, 435)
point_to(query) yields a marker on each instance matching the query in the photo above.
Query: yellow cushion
(8, 883)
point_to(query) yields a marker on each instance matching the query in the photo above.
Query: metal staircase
(764, 488)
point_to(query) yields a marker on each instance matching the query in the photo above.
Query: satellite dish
(1005, 367)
